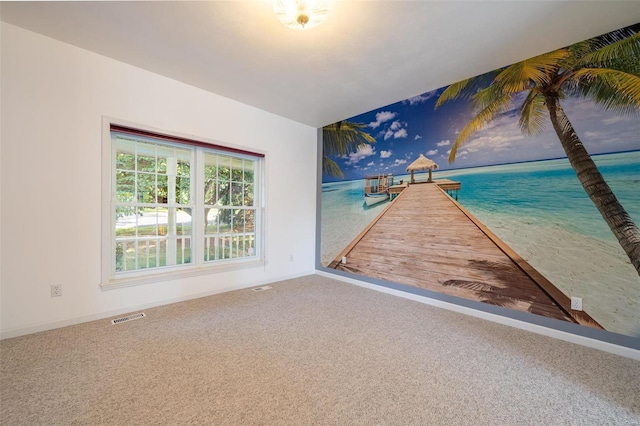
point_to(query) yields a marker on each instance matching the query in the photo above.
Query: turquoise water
(548, 192)
(541, 193)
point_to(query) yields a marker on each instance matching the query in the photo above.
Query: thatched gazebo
(422, 163)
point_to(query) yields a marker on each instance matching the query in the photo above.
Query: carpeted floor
(310, 351)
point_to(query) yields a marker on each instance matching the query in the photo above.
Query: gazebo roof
(422, 163)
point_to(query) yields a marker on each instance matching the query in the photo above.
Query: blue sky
(407, 128)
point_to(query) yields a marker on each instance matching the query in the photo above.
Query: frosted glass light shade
(301, 14)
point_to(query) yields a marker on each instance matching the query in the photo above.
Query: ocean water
(539, 209)
(548, 192)
(541, 192)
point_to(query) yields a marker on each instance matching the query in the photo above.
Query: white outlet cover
(576, 303)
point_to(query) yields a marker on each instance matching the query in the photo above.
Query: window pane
(224, 248)
(212, 221)
(238, 221)
(249, 221)
(183, 219)
(125, 186)
(249, 170)
(163, 214)
(224, 220)
(146, 188)
(237, 166)
(126, 222)
(183, 190)
(147, 222)
(183, 157)
(120, 260)
(236, 194)
(224, 196)
(183, 252)
(210, 191)
(125, 161)
(224, 168)
(248, 194)
(146, 157)
(163, 189)
(162, 252)
(125, 154)
(128, 255)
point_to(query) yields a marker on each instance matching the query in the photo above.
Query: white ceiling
(367, 54)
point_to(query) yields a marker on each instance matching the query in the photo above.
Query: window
(180, 205)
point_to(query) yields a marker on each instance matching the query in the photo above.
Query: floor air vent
(263, 288)
(128, 318)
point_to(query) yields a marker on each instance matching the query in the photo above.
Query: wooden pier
(425, 239)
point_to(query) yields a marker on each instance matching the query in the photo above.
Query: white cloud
(398, 162)
(397, 130)
(371, 163)
(385, 154)
(397, 125)
(614, 120)
(416, 137)
(592, 134)
(432, 152)
(382, 117)
(420, 98)
(402, 133)
(362, 152)
(444, 143)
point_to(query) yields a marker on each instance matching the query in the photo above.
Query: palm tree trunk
(597, 189)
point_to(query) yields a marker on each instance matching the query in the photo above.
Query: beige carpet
(310, 351)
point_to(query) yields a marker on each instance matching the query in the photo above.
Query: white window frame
(110, 279)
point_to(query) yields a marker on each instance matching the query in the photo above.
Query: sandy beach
(581, 266)
(338, 230)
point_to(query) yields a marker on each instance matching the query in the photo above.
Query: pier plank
(425, 239)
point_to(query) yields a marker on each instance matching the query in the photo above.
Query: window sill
(174, 274)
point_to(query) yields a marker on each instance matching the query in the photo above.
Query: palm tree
(604, 69)
(339, 139)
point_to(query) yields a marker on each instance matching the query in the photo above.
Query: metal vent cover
(128, 318)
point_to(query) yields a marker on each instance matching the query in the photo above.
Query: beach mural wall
(523, 233)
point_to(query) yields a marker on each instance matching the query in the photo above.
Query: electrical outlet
(576, 303)
(56, 290)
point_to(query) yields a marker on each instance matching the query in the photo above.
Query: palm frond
(533, 114)
(606, 51)
(485, 97)
(331, 168)
(612, 89)
(454, 91)
(477, 123)
(535, 71)
(344, 137)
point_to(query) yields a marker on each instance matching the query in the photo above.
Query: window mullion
(198, 208)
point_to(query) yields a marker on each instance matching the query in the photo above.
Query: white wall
(53, 98)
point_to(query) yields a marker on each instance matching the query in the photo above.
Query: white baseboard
(523, 325)
(108, 314)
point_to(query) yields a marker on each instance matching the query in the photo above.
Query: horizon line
(498, 164)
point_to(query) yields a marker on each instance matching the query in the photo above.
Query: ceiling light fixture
(301, 14)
